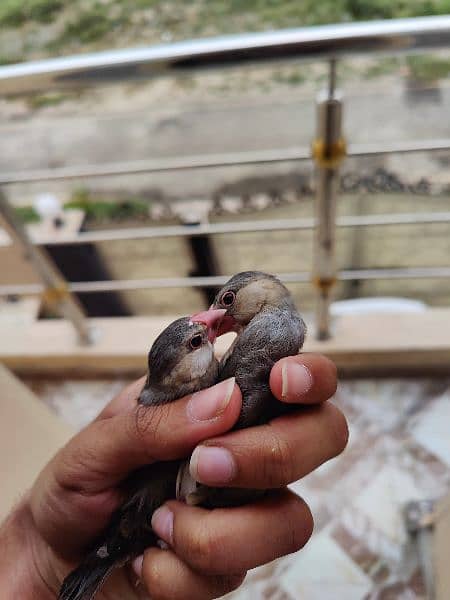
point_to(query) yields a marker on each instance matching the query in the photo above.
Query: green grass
(16, 12)
(391, 9)
(292, 76)
(424, 67)
(383, 66)
(104, 210)
(89, 25)
(10, 60)
(93, 20)
(254, 14)
(39, 101)
(27, 214)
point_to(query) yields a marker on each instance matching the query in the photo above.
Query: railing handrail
(231, 227)
(128, 285)
(326, 41)
(212, 161)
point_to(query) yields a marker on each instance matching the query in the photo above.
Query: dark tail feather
(85, 581)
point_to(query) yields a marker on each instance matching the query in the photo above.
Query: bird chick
(269, 327)
(181, 361)
(260, 309)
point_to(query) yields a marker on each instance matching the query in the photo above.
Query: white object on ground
(376, 305)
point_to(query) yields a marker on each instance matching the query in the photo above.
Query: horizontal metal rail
(329, 41)
(141, 233)
(127, 285)
(230, 159)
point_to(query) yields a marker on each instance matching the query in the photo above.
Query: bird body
(129, 532)
(272, 334)
(180, 362)
(261, 311)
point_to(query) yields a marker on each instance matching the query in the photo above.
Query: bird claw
(186, 484)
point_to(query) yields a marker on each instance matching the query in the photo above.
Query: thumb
(75, 495)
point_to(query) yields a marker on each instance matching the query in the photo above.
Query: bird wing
(271, 335)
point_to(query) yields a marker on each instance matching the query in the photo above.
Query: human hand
(75, 495)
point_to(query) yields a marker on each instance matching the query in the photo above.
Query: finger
(76, 493)
(125, 401)
(272, 455)
(233, 540)
(102, 454)
(167, 577)
(304, 379)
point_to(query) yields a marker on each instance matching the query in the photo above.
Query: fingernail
(212, 465)
(162, 523)
(296, 380)
(137, 565)
(210, 404)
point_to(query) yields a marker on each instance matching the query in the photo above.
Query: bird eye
(196, 342)
(228, 298)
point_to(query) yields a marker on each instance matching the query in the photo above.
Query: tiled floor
(399, 450)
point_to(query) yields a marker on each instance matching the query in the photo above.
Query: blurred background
(388, 325)
(265, 107)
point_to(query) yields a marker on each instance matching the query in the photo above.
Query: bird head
(245, 295)
(183, 352)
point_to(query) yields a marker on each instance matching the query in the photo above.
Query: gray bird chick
(260, 309)
(180, 362)
(262, 312)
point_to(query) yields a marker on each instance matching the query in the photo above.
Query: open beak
(212, 319)
(226, 325)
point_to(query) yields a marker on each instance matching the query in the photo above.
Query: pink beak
(226, 325)
(212, 319)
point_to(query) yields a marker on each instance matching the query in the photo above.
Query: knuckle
(79, 464)
(205, 549)
(333, 377)
(154, 581)
(301, 526)
(224, 584)
(339, 430)
(277, 463)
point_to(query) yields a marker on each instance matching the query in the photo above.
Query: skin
(176, 367)
(75, 495)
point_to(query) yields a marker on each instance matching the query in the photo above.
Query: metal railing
(324, 42)
(129, 285)
(213, 161)
(329, 149)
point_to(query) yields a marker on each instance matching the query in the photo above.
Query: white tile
(432, 428)
(383, 500)
(78, 402)
(323, 571)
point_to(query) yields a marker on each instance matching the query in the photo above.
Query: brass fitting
(329, 157)
(324, 283)
(54, 295)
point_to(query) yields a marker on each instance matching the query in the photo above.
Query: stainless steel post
(56, 289)
(419, 519)
(328, 150)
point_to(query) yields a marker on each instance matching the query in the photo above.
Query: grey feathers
(271, 335)
(165, 351)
